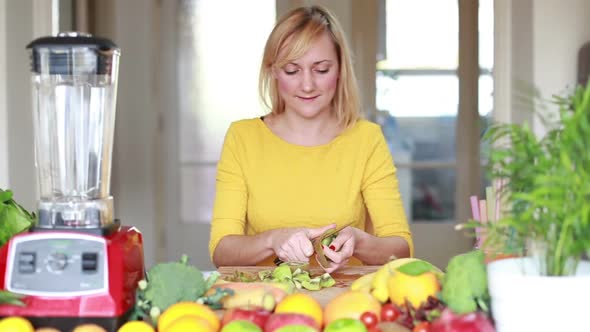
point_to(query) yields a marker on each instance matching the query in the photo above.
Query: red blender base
(70, 278)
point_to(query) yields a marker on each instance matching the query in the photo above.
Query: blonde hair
(292, 36)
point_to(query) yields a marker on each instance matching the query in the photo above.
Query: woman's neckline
(298, 146)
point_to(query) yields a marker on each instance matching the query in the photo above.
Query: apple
(277, 321)
(258, 316)
(240, 325)
(470, 322)
(346, 325)
(297, 328)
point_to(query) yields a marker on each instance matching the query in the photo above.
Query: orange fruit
(416, 289)
(180, 309)
(89, 328)
(351, 304)
(136, 326)
(15, 324)
(301, 303)
(188, 323)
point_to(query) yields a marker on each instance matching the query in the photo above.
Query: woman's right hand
(294, 244)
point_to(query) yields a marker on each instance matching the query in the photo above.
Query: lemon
(301, 303)
(379, 281)
(136, 326)
(416, 289)
(188, 323)
(180, 309)
(16, 324)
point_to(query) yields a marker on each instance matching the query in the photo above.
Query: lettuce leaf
(14, 218)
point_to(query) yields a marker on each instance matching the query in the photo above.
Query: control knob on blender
(57, 261)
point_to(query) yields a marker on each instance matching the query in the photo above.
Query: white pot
(523, 300)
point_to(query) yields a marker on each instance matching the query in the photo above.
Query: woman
(309, 165)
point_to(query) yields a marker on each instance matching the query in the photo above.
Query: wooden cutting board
(344, 278)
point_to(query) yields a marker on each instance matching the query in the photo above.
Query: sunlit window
(418, 98)
(220, 50)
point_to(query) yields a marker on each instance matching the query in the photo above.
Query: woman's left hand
(340, 250)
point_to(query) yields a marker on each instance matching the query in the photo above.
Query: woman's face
(307, 85)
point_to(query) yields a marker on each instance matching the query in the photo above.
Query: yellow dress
(264, 183)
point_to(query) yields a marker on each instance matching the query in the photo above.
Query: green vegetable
(282, 273)
(326, 280)
(465, 284)
(328, 239)
(289, 273)
(169, 283)
(7, 297)
(14, 218)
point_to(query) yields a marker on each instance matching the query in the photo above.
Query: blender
(78, 264)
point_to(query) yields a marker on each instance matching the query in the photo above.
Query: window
(418, 99)
(219, 52)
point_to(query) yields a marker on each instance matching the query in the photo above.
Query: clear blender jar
(74, 79)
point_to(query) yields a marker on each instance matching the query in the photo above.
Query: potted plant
(545, 219)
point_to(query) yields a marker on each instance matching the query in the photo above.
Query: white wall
(133, 185)
(21, 22)
(560, 29)
(18, 114)
(537, 44)
(3, 112)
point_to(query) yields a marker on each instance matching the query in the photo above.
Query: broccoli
(465, 284)
(169, 283)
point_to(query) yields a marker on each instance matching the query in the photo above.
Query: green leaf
(7, 297)
(5, 196)
(417, 268)
(12, 222)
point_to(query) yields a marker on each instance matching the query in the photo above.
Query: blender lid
(65, 45)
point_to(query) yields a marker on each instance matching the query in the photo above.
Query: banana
(250, 298)
(363, 283)
(379, 283)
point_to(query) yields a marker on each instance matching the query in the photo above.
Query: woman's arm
(239, 250)
(289, 244)
(373, 250)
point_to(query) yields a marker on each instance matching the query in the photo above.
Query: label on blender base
(57, 264)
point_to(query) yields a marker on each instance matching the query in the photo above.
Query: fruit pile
(406, 294)
(421, 298)
(297, 312)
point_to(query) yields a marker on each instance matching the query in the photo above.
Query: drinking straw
(474, 207)
(483, 214)
(475, 215)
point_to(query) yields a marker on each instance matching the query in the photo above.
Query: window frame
(468, 140)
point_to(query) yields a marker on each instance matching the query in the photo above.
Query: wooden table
(344, 277)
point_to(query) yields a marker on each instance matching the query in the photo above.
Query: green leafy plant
(546, 186)
(14, 218)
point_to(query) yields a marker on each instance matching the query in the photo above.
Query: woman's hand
(294, 244)
(341, 249)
